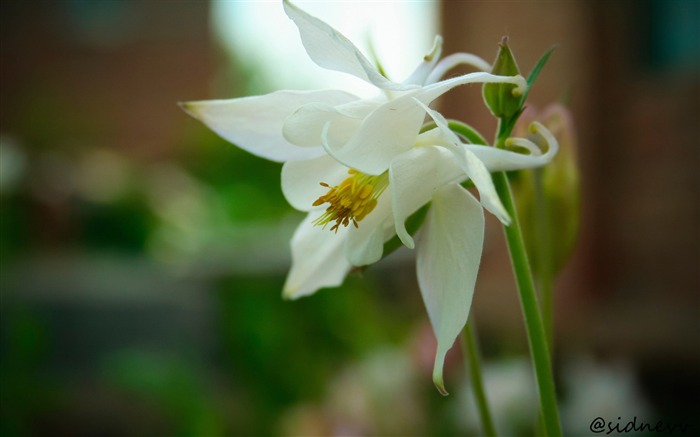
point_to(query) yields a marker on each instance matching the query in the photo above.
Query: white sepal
(332, 50)
(317, 259)
(255, 123)
(449, 253)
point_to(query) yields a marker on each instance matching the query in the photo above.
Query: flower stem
(544, 277)
(537, 338)
(470, 350)
(548, 310)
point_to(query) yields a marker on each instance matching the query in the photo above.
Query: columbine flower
(361, 167)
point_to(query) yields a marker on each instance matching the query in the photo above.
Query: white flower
(363, 166)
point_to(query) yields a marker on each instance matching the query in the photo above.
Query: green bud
(548, 198)
(499, 97)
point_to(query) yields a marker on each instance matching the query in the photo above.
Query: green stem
(544, 278)
(533, 320)
(470, 349)
(548, 310)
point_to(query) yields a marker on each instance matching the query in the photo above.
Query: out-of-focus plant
(548, 202)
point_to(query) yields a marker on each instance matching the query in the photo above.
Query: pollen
(352, 200)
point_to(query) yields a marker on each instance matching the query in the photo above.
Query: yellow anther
(352, 200)
(365, 192)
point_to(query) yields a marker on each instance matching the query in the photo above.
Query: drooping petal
(255, 123)
(365, 243)
(504, 160)
(318, 259)
(421, 73)
(448, 257)
(415, 176)
(301, 180)
(332, 50)
(473, 168)
(392, 128)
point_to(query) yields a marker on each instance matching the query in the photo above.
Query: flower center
(352, 200)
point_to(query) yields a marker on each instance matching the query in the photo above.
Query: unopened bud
(548, 198)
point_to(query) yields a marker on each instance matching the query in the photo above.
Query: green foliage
(123, 225)
(247, 186)
(25, 392)
(539, 65)
(295, 347)
(177, 388)
(14, 226)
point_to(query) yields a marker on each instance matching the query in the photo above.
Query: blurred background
(142, 257)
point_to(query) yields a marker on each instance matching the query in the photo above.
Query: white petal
(365, 244)
(473, 168)
(455, 59)
(504, 160)
(301, 180)
(361, 108)
(255, 123)
(305, 126)
(330, 49)
(387, 132)
(414, 177)
(318, 259)
(393, 127)
(448, 257)
(421, 73)
(433, 91)
(479, 174)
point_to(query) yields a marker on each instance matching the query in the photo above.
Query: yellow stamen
(352, 200)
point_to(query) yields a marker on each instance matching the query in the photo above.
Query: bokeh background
(142, 257)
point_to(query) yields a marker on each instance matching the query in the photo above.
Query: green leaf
(535, 72)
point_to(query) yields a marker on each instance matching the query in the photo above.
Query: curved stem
(470, 349)
(537, 338)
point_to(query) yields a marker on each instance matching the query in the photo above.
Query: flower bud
(500, 97)
(548, 198)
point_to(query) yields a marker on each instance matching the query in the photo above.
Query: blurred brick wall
(105, 74)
